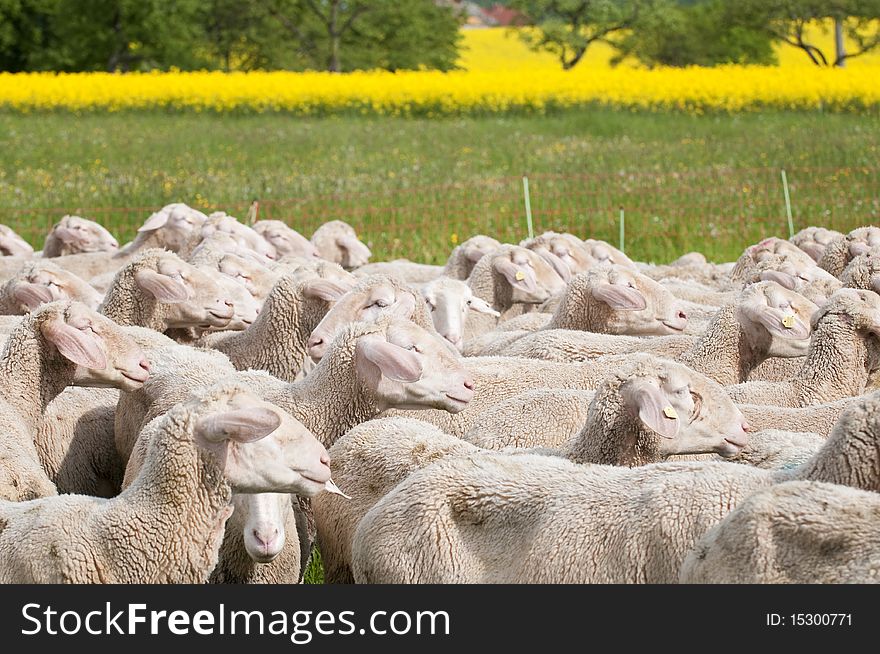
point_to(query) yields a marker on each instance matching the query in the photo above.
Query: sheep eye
(381, 303)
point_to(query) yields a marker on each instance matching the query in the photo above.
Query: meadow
(417, 180)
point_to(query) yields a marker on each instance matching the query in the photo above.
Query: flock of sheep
(209, 401)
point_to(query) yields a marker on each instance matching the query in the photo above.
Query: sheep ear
(620, 298)
(155, 221)
(481, 306)
(555, 262)
(31, 295)
(474, 254)
(653, 407)
(353, 245)
(783, 279)
(75, 345)
(240, 425)
(779, 323)
(521, 277)
(405, 306)
(163, 288)
(857, 247)
(68, 235)
(324, 289)
(813, 250)
(393, 361)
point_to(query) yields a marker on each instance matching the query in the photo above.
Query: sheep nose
(144, 364)
(682, 315)
(746, 427)
(265, 543)
(469, 383)
(325, 459)
(315, 341)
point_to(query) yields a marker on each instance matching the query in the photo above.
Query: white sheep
(285, 239)
(499, 518)
(13, 245)
(844, 249)
(800, 532)
(337, 241)
(466, 254)
(843, 351)
(451, 302)
(40, 281)
(74, 234)
(814, 240)
(59, 344)
(168, 524)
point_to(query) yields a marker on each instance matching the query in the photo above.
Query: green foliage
(567, 28)
(787, 21)
(124, 35)
(698, 34)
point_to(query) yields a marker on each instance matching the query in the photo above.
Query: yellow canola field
(499, 74)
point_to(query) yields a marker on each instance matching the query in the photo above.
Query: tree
(693, 34)
(25, 31)
(339, 35)
(567, 28)
(788, 21)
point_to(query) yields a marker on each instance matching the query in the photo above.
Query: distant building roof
(505, 16)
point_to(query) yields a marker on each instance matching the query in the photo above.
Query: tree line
(346, 35)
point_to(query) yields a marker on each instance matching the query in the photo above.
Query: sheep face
(245, 306)
(264, 517)
(450, 301)
(13, 245)
(476, 247)
(256, 278)
(73, 234)
(261, 448)
(337, 241)
(408, 368)
(44, 282)
(370, 301)
(195, 297)
(602, 253)
(814, 240)
(690, 413)
(173, 225)
(285, 240)
(811, 281)
(638, 305)
(241, 233)
(531, 279)
(776, 319)
(863, 240)
(105, 356)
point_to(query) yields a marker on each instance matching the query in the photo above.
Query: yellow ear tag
(520, 275)
(788, 322)
(670, 413)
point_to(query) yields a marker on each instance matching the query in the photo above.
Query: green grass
(408, 185)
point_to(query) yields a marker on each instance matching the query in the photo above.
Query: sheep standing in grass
(167, 526)
(72, 235)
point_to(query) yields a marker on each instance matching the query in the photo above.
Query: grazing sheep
(285, 240)
(160, 291)
(466, 255)
(497, 518)
(73, 234)
(13, 245)
(277, 340)
(511, 280)
(38, 282)
(168, 524)
(59, 344)
(843, 351)
(450, 302)
(337, 241)
(373, 298)
(800, 532)
(844, 249)
(814, 240)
